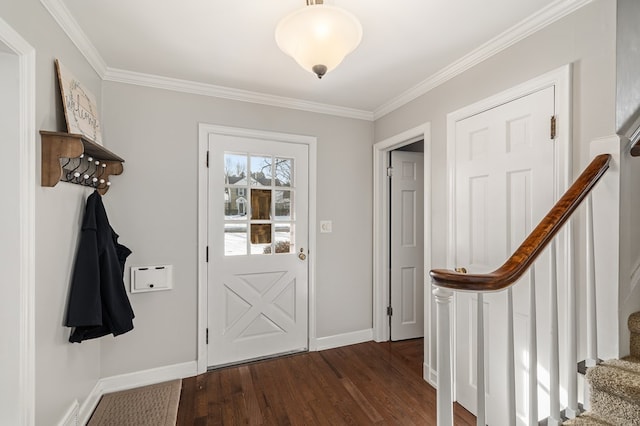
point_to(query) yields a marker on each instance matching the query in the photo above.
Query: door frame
(204, 131)
(26, 185)
(561, 79)
(381, 228)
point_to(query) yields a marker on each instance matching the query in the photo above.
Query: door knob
(461, 270)
(301, 255)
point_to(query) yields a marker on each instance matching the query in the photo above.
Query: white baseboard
(430, 375)
(345, 339)
(132, 380)
(70, 418)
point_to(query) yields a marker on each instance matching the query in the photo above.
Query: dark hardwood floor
(364, 384)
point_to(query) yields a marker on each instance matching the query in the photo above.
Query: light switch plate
(325, 226)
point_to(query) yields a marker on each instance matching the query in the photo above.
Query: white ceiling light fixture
(318, 36)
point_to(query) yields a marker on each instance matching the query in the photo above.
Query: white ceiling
(230, 43)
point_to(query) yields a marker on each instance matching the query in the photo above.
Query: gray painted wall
(10, 240)
(628, 64)
(585, 39)
(153, 206)
(64, 372)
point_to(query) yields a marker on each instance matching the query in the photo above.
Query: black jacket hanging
(98, 302)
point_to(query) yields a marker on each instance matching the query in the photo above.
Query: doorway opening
(17, 128)
(406, 241)
(381, 220)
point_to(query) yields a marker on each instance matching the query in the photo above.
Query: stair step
(617, 377)
(634, 322)
(587, 419)
(615, 391)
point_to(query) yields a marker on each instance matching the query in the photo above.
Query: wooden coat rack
(76, 159)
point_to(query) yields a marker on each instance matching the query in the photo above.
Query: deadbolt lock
(301, 255)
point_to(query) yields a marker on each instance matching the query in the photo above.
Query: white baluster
(572, 409)
(592, 334)
(444, 405)
(511, 369)
(480, 388)
(533, 350)
(554, 362)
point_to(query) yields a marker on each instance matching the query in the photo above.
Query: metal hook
(84, 173)
(71, 173)
(103, 184)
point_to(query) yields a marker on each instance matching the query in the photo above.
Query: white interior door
(257, 239)
(407, 245)
(504, 185)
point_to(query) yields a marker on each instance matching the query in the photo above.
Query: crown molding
(70, 26)
(523, 29)
(516, 33)
(186, 86)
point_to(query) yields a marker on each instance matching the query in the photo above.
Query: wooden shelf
(57, 145)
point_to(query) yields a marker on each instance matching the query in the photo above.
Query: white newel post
(511, 368)
(444, 405)
(480, 388)
(533, 350)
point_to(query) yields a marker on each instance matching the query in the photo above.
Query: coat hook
(71, 173)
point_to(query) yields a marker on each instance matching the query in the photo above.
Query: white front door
(407, 245)
(504, 184)
(257, 237)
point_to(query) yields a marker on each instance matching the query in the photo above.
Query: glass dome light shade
(319, 36)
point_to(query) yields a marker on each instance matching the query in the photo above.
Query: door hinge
(206, 255)
(207, 159)
(389, 171)
(389, 311)
(207, 336)
(553, 127)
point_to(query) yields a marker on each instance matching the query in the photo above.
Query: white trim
(516, 33)
(58, 10)
(133, 380)
(430, 375)
(26, 185)
(206, 89)
(381, 224)
(70, 418)
(204, 130)
(345, 339)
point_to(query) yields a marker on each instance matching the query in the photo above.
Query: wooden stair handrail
(534, 244)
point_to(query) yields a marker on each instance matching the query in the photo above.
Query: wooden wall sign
(80, 108)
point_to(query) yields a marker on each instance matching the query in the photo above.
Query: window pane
(283, 238)
(260, 238)
(284, 171)
(261, 172)
(261, 204)
(235, 203)
(235, 239)
(283, 204)
(235, 169)
(260, 233)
